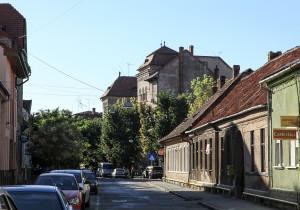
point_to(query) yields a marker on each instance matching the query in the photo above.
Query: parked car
(67, 183)
(31, 197)
(81, 180)
(119, 173)
(91, 177)
(6, 201)
(152, 172)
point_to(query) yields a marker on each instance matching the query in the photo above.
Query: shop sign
(289, 121)
(284, 134)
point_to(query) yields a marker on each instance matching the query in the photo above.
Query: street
(136, 194)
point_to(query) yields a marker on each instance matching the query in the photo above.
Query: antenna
(80, 103)
(128, 64)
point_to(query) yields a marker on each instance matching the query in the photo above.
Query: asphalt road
(136, 194)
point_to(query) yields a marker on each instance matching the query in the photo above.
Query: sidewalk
(209, 200)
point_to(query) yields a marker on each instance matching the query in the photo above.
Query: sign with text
(289, 121)
(284, 134)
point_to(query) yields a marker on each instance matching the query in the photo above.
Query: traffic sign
(152, 157)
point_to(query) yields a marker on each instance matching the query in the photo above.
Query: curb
(209, 206)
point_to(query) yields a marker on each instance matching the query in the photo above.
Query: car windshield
(64, 183)
(36, 200)
(157, 168)
(90, 176)
(108, 166)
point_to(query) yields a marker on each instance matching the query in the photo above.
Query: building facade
(167, 69)
(225, 147)
(283, 88)
(14, 72)
(122, 87)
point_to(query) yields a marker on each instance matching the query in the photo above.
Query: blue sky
(92, 40)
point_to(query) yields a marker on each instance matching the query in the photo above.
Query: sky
(76, 48)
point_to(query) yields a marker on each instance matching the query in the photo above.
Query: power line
(54, 19)
(56, 69)
(53, 94)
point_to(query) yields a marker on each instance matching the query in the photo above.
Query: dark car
(6, 201)
(31, 197)
(67, 183)
(153, 172)
(91, 177)
(81, 180)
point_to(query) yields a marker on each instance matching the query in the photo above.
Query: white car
(119, 173)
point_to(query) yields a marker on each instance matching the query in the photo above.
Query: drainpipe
(269, 99)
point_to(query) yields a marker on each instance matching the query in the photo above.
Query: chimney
(272, 55)
(221, 82)
(214, 89)
(191, 48)
(217, 72)
(180, 71)
(235, 71)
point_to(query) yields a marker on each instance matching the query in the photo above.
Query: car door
(87, 188)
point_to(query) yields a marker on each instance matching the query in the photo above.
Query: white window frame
(278, 153)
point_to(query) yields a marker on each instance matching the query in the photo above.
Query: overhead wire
(54, 19)
(56, 69)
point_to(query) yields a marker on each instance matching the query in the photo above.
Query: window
(197, 155)
(201, 154)
(294, 148)
(252, 150)
(262, 151)
(228, 151)
(205, 157)
(222, 154)
(278, 153)
(210, 154)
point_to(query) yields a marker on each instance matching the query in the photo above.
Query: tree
(171, 110)
(148, 137)
(91, 130)
(55, 140)
(202, 91)
(120, 135)
(157, 122)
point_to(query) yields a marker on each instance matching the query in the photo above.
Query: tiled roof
(189, 122)
(248, 93)
(14, 22)
(122, 87)
(159, 57)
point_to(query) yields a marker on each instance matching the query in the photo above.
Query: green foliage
(157, 122)
(170, 112)
(202, 91)
(91, 130)
(56, 141)
(148, 137)
(120, 135)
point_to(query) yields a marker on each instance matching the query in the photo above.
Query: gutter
(230, 116)
(278, 74)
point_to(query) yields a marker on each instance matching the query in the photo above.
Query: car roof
(66, 171)
(2, 191)
(30, 188)
(57, 174)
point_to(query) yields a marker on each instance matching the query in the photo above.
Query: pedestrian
(132, 171)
